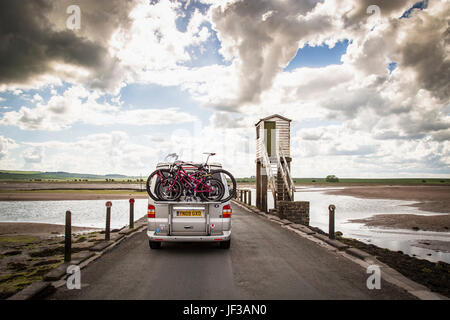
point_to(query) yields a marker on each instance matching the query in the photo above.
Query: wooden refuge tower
(273, 160)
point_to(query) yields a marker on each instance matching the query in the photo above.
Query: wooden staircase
(278, 175)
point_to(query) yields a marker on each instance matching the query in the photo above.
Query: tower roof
(273, 116)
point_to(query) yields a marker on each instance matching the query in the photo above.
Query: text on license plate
(189, 213)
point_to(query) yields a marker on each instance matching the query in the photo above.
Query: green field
(37, 176)
(19, 172)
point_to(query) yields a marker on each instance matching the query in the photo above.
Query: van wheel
(154, 244)
(225, 244)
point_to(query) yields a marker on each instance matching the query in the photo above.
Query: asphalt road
(265, 261)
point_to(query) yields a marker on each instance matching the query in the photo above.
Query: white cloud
(77, 104)
(104, 153)
(37, 98)
(6, 144)
(153, 42)
(118, 152)
(360, 119)
(33, 155)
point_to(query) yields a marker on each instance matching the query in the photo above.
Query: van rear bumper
(216, 238)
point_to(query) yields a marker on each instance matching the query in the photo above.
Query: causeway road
(265, 261)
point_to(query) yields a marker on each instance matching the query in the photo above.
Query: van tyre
(225, 244)
(154, 244)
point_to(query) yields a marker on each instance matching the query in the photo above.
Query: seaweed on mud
(17, 266)
(49, 252)
(45, 263)
(10, 277)
(11, 284)
(434, 275)
(17, 239)
(80, 239)
(12, 253)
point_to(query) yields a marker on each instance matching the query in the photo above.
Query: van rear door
(189, 219)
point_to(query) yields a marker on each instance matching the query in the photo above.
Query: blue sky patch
(421, 5)
(207, 53)
(183, 21)
(392, 66)
(318, 57)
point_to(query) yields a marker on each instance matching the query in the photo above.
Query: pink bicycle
(171, 183)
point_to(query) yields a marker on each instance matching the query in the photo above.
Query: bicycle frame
(189, 179)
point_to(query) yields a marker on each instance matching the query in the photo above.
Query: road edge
(358, 256)
(56, 277)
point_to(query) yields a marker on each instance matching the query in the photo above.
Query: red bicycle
(171, 184)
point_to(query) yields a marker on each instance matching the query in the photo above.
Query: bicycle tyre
(204, 195)
(232, 192)
(149, 179)
(178, 189)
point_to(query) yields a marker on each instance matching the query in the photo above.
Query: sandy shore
(428, 198)
(439, 223)
(36, 229)
(48, 196)
(69, 185)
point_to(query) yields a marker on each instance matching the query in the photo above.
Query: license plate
(189, 213)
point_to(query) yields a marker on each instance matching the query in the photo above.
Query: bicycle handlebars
(177, 162)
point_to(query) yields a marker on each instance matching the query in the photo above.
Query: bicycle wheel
(153, 179)
(169, 189)
(213, 190)
(231, 183)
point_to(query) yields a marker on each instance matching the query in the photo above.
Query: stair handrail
(286, 173)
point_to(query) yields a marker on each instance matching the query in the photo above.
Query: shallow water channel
(356, 208)
(85, 213)
(91, 213)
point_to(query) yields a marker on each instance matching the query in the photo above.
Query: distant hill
(59, 175)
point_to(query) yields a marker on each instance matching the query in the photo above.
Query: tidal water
(92, 213)
(85, 213)
(348, 208)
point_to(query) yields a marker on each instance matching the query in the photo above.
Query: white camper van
(189, 219)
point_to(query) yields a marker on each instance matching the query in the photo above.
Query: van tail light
(226, 211)
(151, 211)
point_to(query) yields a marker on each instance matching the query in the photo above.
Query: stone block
(295, 211)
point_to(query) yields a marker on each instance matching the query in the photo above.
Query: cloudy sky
(366, 83)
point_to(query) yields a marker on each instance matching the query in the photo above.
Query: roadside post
(68, 238)
(249, 197)
(131, 213)
(245, 196)
(331, 209)
(108, 220)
